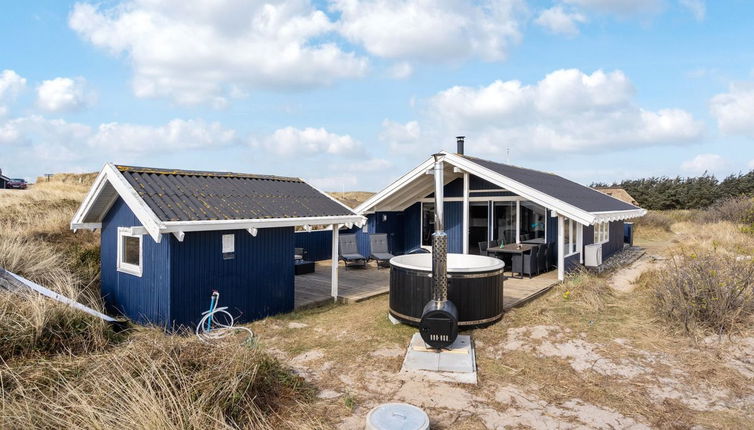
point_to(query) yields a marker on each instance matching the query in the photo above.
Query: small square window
(129, 252)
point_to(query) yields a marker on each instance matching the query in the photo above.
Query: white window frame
(572, 244)
(122, 266)
(601, 233)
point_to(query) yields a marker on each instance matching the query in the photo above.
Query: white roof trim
(608, 216)
(398, 184)
(536, 196)
(155, 227)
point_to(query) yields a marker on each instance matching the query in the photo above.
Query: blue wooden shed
(171, 237)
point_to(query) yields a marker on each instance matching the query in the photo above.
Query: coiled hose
(209, 328)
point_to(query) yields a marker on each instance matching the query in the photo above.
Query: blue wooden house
(171, 237)
(486, 200)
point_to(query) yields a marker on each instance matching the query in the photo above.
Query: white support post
(580, 241)
(518, 221)
(334, 263)
(465, 213)
(561, 248)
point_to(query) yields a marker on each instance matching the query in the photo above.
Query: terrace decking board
(356, 284)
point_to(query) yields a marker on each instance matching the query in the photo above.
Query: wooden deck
(356, 284)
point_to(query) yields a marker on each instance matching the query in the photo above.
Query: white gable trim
(397, 185)
(138, 206)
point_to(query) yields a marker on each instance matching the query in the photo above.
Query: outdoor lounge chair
(526, 263)
(380, 251)
(348, 251)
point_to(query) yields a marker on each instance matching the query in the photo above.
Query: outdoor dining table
(511, 248)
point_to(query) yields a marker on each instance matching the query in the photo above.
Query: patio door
(478, 225)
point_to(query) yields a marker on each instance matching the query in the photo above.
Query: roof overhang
(407, 184)
(110, 184)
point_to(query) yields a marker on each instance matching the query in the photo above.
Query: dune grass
(61, 368)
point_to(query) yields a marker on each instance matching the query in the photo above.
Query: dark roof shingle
(558, 187)
(183, 195)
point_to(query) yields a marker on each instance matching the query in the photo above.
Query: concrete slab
(455, 364)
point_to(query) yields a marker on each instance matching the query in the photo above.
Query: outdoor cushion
(382, 255)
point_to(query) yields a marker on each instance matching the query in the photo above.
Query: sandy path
(624, 280)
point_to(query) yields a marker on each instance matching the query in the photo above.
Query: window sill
(135, 271)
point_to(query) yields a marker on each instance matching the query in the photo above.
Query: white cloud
(63, 94)
(367, 166)
(56, 139)
(435, 30)
(734, 110)
(697, 8)
(750, 164)
(197, 51)
(335, 183)
(558, 21)
(309, 141)
(567, 111)
(10, 85)
(176, 135)
(401, 70)
(622, 8)
(710, 163)
(401, 138)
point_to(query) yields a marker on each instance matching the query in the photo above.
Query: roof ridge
(181, 172)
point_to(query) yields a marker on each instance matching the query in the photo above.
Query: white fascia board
(618, 215)
(86, 226)
(210, 225)
(394, 187)
(111, 175)
(99, 183)
(516, 187)
(134, 202)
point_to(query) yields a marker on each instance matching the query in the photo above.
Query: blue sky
(349, 94)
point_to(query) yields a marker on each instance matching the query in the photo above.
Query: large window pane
(478, 225)
(505, 222)
(532, 221)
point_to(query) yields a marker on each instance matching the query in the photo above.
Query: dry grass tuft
(732, 209)
(654, 220)
(588, 291)
(705, 292)
(157, 381)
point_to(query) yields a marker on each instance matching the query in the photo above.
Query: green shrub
(707, 292)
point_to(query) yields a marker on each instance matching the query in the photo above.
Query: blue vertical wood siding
(144, 299)
(412, 227)
(178, 277)
(257, 282)
(615, 240)
(318, 244)
(453, 226)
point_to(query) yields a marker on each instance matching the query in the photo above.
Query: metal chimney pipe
(439, 238)
(459, 144)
